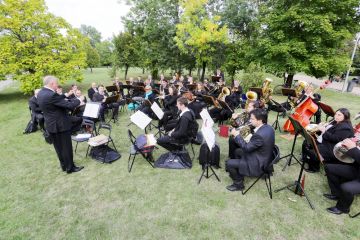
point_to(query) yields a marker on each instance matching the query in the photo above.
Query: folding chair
(267, 171)
(87, 126)
(106, 127)
(145, 152)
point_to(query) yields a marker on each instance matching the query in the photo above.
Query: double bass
(304, 111)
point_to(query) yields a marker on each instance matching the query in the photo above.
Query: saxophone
(266, 91)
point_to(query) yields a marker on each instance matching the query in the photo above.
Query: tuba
(266, 91)
(225, 91)
(250, 97)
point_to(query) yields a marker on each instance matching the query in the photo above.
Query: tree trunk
(91, 69)
(190, 71)
(289, 80)
(143, 71)
(198, 73)
(203, 71)
(126, 70)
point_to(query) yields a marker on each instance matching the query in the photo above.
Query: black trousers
(234, 149)
(63, 147)
(233, 167)
(169, 143)
(344, 183)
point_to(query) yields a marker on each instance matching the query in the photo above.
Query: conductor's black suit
(58, 124)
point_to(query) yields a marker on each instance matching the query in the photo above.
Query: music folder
(207, 120)
(209, 136)
(111, 88)
(112, 99)
(92, 110)
(288, 92)
(215, 79)
(140, 119)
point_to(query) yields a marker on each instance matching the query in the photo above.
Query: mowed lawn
(39, 201)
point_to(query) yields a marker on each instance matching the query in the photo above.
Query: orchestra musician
(309, 92)
(336, 131)
(234, 146)
(180, 134)
(100, 97)
(36, 114)
(170, 109)
(219, 73)
(256, 154)
(149, 95)
(57, 122)
(344, 180)
(92, 90)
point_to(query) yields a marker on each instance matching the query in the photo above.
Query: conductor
(57, 121)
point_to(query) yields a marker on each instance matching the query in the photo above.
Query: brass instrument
(245, 131)
(298, 90)
(266, 91)
(250, 97)
(240, 120)
(225, 91)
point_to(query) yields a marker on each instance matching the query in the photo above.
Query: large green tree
(105, 50)
(306, 36)
(92, 33)
(92, 57)
(199, 32)
(35, 43)
(126, 51)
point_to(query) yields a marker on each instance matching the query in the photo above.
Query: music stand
(288, 92)
(291, 155)
(191, 87)
(328, 110)
(299, 190)
(279, 106)
(110, 100)
(215, 79)
(111, 88)
(258, 91)
(224, 105)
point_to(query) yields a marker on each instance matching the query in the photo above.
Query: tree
(92, 33)
(105, 50)
(126, 49)
(306, 36)
(199, 32)
(92, 57)
(35, 43)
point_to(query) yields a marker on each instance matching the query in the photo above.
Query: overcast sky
(104, 15)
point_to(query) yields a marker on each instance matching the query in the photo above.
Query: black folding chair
(267, 171)
(145, 152)
(87, 126)
(104, 127)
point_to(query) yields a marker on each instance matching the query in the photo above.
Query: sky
(104, 15)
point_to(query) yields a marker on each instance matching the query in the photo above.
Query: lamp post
(352, 59)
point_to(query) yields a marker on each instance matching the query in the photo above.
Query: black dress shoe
(335, 210)
(74, 169)
(330, 196)
(235, 187)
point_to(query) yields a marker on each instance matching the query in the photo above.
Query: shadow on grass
(12, 96)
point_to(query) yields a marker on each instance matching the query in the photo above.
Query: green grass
(39, 201)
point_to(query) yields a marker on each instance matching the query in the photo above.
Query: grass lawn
(39, 201)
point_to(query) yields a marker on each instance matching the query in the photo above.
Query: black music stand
(215, 79)
(291, 155)
(328, 110)
(283, 110)
(111, 88)
(258, 91)
(224, 105)
(288, 92)
(112, 99)
(299, 190)
(191, 87)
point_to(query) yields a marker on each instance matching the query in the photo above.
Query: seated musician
(118, 85)
(336, 131)
(170, 109)
(309, 92)
(164, 88)
(101, 96)
(79, 110)
(72, 91)
(92, 90)
(37, 115)
(344, 180)
(256, 154)
(180, 134)
(240, 120)
(194, 105)
(181, 87)
(151, 96)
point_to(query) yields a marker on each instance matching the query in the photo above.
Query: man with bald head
(92, 90)
(57, 121)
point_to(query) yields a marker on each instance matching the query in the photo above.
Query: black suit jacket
(55, 109)
(181, 131)
(355, 154)
(34, 105)
(91, 92)
(258, 152)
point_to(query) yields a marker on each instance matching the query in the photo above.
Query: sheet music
(140, 119)
(151, 140)
(207, 120)
(209, 136)
(92, 110)
(157, 110)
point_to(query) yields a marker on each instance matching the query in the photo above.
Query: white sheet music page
(207, 120)
(140, 119)
(92, 110)
(209, 136)
(157, 110)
